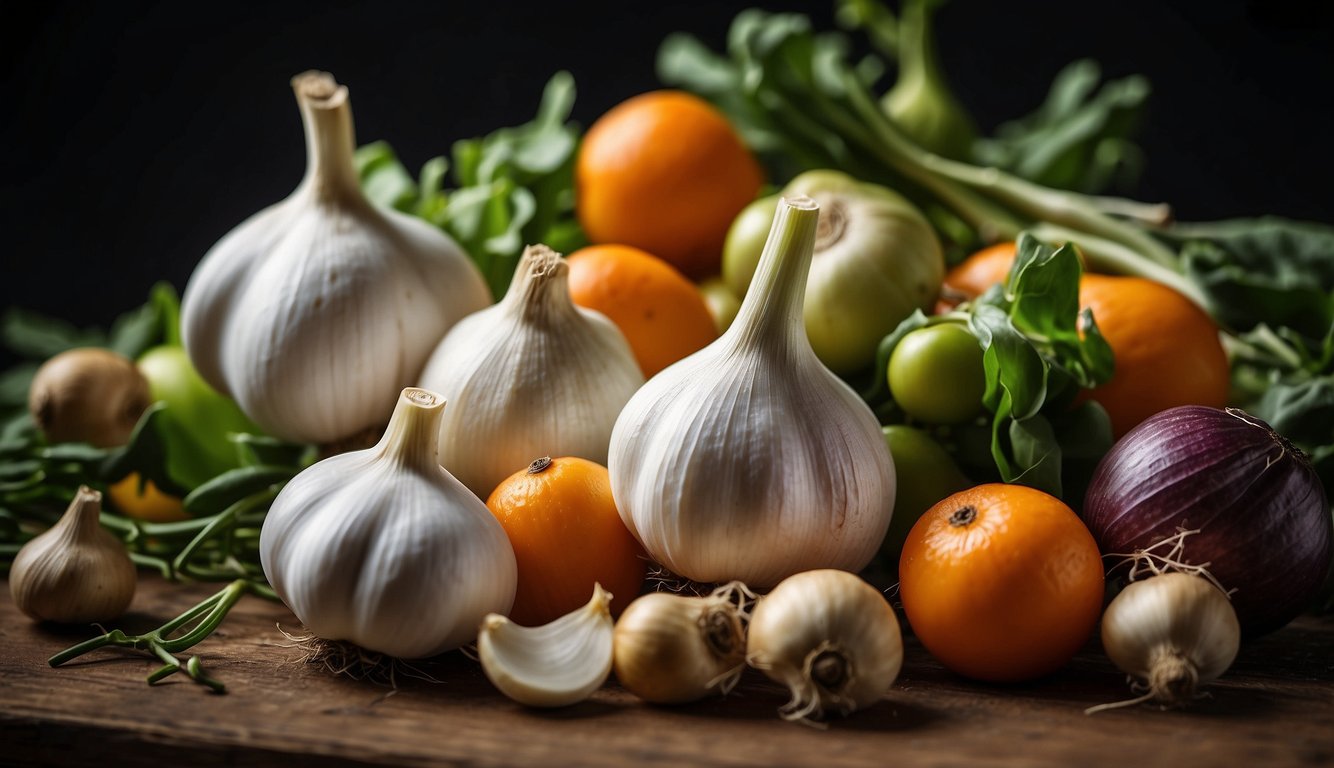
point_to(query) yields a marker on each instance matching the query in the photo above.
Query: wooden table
(1275, 707)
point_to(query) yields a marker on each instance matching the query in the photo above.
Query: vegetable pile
(808, 328)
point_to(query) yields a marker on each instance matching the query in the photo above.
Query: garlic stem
(541, 288)
(414, 429)
(772, 308)
(327, 116)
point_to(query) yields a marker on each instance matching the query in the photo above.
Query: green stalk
(991, 221)
(939, 175)
(1115, 258)
(203, 619)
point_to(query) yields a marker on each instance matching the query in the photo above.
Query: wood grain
(1275, 707)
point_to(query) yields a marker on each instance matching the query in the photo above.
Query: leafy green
(1080, 138)
(1267, 270)
(1039, 350)
(515, 187)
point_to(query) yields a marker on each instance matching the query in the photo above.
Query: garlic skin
(675, 649)
(749, 460)
(384, 548)
(533, 375)
(831, 638)
(313, 313)
(554, 665)
(1175, 631)
(76, 572)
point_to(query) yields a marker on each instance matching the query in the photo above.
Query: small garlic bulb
(384, 548)
(313, 313)
(1174, 632)
(531, 376)
(831, 638)
(674, 649)
(554, 665)
(76, 572)
(749, 460)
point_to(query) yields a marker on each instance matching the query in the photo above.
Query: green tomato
(936, 374)
(926, 474)
(197, 419)
(745, 243)
(722, 303)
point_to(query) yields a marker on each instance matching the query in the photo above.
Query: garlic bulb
(749, 460)
(384, 548)
(554, 665)
(831, 638)
(673, 649)
(531, 376)
(1174, 631)
(313, 313)
(76, 572)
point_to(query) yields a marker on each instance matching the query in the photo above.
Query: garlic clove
(75, 573)
(554, 665)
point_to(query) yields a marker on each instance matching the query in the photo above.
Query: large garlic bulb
(384, 548)
(532, 376)
(313, 313)
(749, 460)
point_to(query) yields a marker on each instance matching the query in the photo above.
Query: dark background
(136, 134)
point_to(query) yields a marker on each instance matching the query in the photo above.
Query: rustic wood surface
(1275, 707)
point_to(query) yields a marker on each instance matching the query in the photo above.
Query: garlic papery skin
(674, 649)
(749, 460)
(385, 549)
(1173, 632)
(313, 313)
(831, 638)
(76, 572)
(554, 665)
(533, 375)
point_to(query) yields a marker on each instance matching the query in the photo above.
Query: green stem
(1115, 258)
(991, 221)
(208, 614)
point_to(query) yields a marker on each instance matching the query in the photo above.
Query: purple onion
(1264, 522)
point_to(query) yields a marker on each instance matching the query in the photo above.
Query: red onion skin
(1264, 521)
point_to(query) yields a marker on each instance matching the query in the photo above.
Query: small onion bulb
(831, 638)
(1174, 632)
(673, 649)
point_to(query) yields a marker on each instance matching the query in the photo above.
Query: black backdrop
(136, 134)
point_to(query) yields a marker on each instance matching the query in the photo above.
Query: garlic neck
(82, 520)
(772, 309)
(541, 286)
(413, 431)
(331, 173)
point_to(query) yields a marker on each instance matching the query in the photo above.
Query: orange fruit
(1166, 348)
(659, 311)
(151, 505)
(666, 172)
(981, 270)
(567, 536)
(1001, 582)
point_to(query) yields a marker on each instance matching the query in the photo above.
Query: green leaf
(37, 336)
(1079, 138)
(15, 383)
(230, 487)
(383, 178)
(145, 453)
(1268, 270)
(256, 450)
